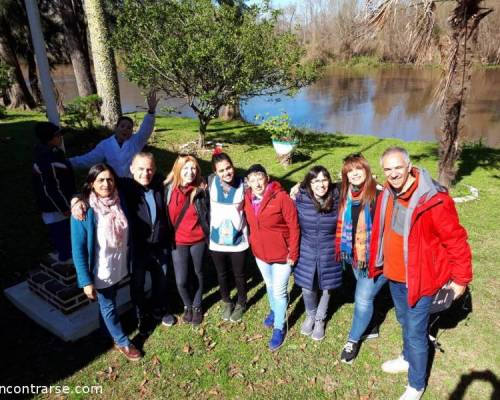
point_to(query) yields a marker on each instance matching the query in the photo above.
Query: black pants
(185, 280)
(154, 261)
(224, 262)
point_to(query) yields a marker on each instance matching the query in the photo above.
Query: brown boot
(130, 352)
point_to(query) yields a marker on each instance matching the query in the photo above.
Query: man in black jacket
(145, 207)
(54, 184)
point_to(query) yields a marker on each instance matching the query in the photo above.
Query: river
(395, 102)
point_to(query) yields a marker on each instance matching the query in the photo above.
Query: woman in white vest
(228, 233)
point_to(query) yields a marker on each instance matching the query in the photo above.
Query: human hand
(294, 191)
(152, 100)
(290, 262)
(90, 292)
(458, 290)
(78, 209)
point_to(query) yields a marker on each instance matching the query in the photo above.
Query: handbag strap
(182, 213)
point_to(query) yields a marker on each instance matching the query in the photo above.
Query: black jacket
(53, 179)
(143, 234)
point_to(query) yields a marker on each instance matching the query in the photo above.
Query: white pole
(42, 62)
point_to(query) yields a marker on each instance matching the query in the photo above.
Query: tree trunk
(231, 112)
(104, 62)
(19, 94)
(203, 123)
(463, 22)
(79, 57)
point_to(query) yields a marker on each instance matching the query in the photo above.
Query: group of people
(406, 233)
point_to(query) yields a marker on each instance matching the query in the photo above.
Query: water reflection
(393, 102)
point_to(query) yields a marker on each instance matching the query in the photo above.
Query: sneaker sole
(169, 324)
(317, 339)
(370, 336)
(347, 362)
(276, 348)
(305, 333)
(234, 321)
(400, 371)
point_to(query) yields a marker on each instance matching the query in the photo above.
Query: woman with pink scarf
(100, 247)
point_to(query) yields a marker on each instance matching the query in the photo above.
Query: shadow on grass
(468, 379)
(476, 156)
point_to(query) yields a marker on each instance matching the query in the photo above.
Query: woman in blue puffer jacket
(317, 271)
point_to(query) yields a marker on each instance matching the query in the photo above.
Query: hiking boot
(188, 314)
(277, 339)
(168, 320)
(237, 313)
(318, 332)
(197, 316)
(130, 352)
(412, 394)
(396, 366)
(307, 326)
(227, 309)
(269, 321)
(349, 352)
(373, 334)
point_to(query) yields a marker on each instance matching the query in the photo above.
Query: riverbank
(222, 360)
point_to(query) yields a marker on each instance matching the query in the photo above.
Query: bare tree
(458, 53)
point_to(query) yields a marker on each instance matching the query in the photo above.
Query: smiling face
(225, 171)
(320, 185)
(396, 170)
(356, 176)
(104, 184)
(188, 173)
(258, 183)
(124, 130)
(143, 169)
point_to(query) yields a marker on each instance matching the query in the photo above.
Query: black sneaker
(349, 352)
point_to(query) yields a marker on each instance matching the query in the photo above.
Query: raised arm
(141, 137)
(94, 156)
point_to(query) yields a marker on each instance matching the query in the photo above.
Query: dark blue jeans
(60, 236)
(109, 314)
(414, 322)
(154, 261)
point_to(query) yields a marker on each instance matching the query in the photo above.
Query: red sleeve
(290, 214)
(453, 237)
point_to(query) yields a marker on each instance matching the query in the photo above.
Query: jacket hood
(427, 187)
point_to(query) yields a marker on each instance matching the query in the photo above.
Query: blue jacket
(316, 267)
(83, 237)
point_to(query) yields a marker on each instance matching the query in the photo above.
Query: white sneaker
(396, 366)
(412, 394)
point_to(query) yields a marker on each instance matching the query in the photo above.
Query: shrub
(83, 112)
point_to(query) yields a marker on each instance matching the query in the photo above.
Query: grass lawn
(224, 360)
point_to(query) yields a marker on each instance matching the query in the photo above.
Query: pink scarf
(111, 216)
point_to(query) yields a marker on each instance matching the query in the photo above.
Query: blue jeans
(276, 278)
(414, 322)
(109, 314)
(366, 290)
(60, 236)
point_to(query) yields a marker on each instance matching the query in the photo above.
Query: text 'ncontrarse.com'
(52, 389)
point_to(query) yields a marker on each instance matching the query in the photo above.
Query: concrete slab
(69, 327)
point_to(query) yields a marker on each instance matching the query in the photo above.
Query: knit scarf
(357, 257)
(111, 216)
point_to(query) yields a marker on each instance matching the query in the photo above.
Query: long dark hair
(369, 189)
(327, 205)
(94, 171)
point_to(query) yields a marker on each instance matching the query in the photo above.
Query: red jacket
(436, 248)
(274, 231)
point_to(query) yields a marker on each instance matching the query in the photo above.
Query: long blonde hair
(174, 176)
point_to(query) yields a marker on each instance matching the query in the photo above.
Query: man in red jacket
(420, 246)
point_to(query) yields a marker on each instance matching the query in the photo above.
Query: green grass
(223, 360)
